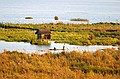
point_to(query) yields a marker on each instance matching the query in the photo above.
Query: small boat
(55, 49)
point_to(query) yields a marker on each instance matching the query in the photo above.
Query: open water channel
(41, 49)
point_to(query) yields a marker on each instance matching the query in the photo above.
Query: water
(43, 11)
(41, 49)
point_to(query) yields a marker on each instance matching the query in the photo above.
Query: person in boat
(64, 47)
(54, 48)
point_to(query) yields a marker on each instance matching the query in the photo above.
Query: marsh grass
(28, 17)
(40, 42)
(66, 65)
(79, 34)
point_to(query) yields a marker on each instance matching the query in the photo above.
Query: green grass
(17, 35)
(79, 34)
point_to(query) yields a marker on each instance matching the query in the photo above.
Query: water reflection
(28, 48)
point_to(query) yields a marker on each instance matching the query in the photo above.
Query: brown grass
(66, 65)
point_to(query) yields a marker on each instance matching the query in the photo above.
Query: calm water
(28, 48)
(43, 11)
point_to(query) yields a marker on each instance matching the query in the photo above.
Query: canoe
(55, 49)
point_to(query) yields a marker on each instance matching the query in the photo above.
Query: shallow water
(43, 11)
(28, 48)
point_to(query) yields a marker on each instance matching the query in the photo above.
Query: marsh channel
(41, 49)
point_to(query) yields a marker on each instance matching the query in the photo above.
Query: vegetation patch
(65, 65)
(78, 19)
(77, 34)
(28, 17)
(40, 42)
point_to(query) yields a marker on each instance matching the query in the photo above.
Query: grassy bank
(66, 65)
(19, 35)
(80, 34)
